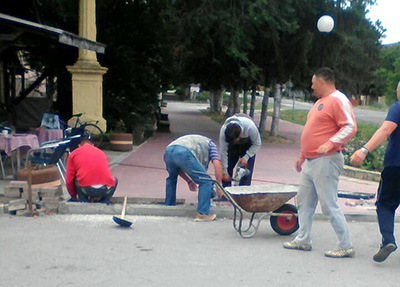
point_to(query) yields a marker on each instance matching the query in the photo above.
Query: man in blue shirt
(388, 199)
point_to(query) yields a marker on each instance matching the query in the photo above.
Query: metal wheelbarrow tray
(266, 199)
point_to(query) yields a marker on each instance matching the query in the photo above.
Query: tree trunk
(253, 101)
(245, 100)
(264, 112)
(236, 103)
(216, 101)
(277, 110)
(229, 110)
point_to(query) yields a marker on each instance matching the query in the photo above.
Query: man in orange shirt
(330, 124)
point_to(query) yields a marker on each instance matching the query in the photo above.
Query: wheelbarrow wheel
(285, 225)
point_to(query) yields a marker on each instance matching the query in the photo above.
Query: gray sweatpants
(319, 181)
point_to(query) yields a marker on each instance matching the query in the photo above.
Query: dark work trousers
(387, 202)
(102, 194)
(236, 151)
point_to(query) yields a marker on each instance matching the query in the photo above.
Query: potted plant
(120, 139)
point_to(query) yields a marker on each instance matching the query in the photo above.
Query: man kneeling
(88, 177)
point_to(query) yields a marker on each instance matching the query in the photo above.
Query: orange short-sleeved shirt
(330, 119)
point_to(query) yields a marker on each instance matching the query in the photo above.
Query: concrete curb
(362, 174)
(224, 211)
(139, 209)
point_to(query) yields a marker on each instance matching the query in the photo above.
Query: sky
(388, 11)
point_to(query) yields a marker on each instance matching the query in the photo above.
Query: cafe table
(13, 143)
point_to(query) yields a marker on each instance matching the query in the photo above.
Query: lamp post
(325, 25)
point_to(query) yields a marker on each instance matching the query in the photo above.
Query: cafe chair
(51, 153)
(5, 156)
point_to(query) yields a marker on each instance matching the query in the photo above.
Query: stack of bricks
(14, 203)
(45, 197)
(50, 198)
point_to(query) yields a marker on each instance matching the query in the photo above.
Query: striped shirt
(202, 148)
(331, 120)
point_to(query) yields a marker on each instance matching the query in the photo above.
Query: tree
(279, 50)
(133, 32)
(388, 74)
(355, 55)
(223, 44)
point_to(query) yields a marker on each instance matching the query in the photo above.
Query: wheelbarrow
(266, 200)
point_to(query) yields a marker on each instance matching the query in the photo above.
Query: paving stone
(50, 191)
(12, 192)
(16, 204)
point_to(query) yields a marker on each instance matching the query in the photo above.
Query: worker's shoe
(204, 217)
(297, 246)
(384, 252)
(340, 253)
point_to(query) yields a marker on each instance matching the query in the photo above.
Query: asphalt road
(82, 250)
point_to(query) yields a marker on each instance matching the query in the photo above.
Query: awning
(58, 35)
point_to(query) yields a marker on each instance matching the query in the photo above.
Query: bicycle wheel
(95, 134)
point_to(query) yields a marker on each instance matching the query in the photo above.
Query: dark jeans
(103, 194)
(236, 151)
(387, 202)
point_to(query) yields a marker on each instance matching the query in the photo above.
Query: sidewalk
(142, 173)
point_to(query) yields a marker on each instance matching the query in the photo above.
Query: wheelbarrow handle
(224, 191)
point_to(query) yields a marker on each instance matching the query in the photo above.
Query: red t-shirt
(89, 165)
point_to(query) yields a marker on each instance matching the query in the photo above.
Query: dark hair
(326, 74)
(232, 132)
(84, 140)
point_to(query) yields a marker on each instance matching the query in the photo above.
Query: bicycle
(90, 130)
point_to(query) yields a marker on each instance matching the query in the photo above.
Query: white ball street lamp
(325, 24)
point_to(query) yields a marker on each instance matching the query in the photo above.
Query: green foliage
(374, 160)
(236, 44)
(221, 44)
(181, 94)
(204, 96)
(119, 127)
(388, 74)
(217, 117)
(132, 56)
(295, 116)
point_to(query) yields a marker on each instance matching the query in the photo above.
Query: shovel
(120, 219)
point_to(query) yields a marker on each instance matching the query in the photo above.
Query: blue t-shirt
(392, 155)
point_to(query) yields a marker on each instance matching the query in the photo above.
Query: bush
(374, 160)
(203, 96)
(181, 94)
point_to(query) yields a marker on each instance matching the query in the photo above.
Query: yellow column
(87, 74)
